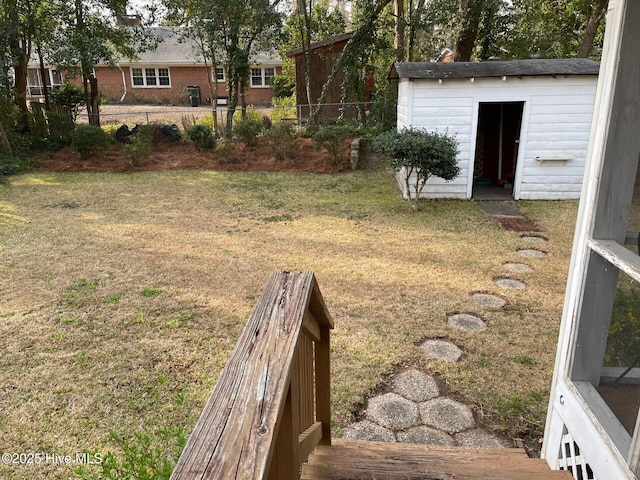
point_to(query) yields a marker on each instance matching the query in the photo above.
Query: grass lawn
(124, 294)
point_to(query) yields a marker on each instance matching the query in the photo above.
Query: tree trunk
(470, 14)
(595, 18)
(19, 57)
(43, 76)
(487, 36)
(399, 40)
(305, 35)
(93, 107)
(5, 141)
(233, 104)
(243, 99)
(361, 35)
(21, 84)
(214, 98)
(413, 21)
(212, 80)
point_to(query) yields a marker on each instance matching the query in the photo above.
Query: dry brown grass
(123, 295)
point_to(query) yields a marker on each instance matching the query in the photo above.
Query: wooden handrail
(271, 405)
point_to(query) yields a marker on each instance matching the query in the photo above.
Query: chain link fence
(368, 113)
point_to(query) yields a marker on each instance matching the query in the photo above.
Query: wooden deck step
(360, 460)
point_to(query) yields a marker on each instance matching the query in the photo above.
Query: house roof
(174, 49)
(514, 68)
(171, 49)
(322, 43)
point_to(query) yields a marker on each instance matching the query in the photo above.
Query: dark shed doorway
(497, 143)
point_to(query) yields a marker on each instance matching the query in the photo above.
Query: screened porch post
(575, 406)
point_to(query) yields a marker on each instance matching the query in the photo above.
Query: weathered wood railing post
(271, 405)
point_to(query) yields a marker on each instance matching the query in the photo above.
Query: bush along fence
(366, 113)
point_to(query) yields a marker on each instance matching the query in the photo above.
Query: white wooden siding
(403, 103)
(557, 125)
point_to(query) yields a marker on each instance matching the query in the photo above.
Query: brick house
(162, 75)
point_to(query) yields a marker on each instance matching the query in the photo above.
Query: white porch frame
(575, 407)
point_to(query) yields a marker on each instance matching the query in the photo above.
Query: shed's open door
(497, 142)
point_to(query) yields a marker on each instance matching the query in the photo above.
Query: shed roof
(322, 43)
(513, 68)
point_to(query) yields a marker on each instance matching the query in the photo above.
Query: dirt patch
(183, 156)
(516, 224)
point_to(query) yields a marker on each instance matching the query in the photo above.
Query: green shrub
(87, 140)
(13, 142)
(332, 138)
(225, 150)
(136, 149)
(251, 113)
(283, 86)
(146, 131)
(149, 454)
(146, 456)
(60, 128)
(11, 165)
(38, 129)
(202, 137)
(247, 131)
(422, 153)
(309, 130)
(283, 108)
(207, 121)
(69, 98)
(282, 139)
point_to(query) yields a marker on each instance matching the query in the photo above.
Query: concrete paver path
(413, 410)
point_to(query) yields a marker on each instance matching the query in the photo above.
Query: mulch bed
(182, 156)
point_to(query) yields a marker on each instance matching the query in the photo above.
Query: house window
(219, 76)
(150, 77)
(34, 81)
(35, 87)
(138, 79)
(261, 77)
(163, 77)
(56, 78)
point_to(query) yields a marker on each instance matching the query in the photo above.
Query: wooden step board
(360, 460)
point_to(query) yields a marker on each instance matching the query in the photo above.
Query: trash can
(193, 91)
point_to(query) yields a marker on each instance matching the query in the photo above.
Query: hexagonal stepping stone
(426, 436)
(441, 350)
(488, 300)
(509, 283)
(518, 267)
(534, 239)
(392, 411)
(466, 322)
(366, 430)
(416, 386)
(480, 438)
(531, 253)
(446, 414)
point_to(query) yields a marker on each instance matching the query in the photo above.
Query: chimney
(128, 20)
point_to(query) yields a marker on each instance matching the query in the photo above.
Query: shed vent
(570, 459)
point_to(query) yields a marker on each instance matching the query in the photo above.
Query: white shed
(523, 123)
